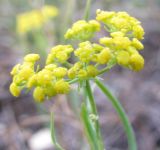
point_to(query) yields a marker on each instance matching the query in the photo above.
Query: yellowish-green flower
(48, 12)
(82, 74)
(61, 87)
(44, 77)
(14, 89)
(120, 47)
(91, 71)
(72, 73)
(137, 44)
(83, 30)
(35, 19)
(60, 72)
(39, 94)
(59, 53)
(121, 21)
(104, 56)
(136, 62)
(123, 58)
(31, 58)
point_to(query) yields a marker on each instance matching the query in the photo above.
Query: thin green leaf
(53, 135)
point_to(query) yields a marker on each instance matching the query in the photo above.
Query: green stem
(122, 115)
(106, 69)
(53, 135)
(68, 11)
(73, 81)
(91, 98)
(94, 111)
(87, 9)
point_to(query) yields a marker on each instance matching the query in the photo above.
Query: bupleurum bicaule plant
(122, 47)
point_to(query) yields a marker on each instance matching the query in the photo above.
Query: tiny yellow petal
(14, 89)
(39, 94)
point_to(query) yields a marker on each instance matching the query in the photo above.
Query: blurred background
(24, 125)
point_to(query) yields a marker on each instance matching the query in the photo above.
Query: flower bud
(137, 44)
(92, 71)
(136, 62)
(31, 58)
(39, 94)
(60, 72)
(61, 87)
(14, 89)
(104, 56)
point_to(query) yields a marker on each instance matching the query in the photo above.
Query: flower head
(122, 47)
(35, 19)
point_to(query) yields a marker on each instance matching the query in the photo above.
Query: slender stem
(94, 110)
(67, 64)
(87, 9)
(122, 115)
(73, 81)
(91, 98)
(105, 69)
(53, 136)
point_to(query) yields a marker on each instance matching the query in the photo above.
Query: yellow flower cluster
(83, 30)
(87, 52)
(121, 21)
(22, 72)
(82, 72)
(124, 48)
(121, 47)
(59, 53)
(35, 19)
(47, 82)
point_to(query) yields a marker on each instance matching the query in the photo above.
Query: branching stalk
(94, 111)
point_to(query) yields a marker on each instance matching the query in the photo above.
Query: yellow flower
(121, 42)
(35, 18)
(106, 41)
(32, 81)
(60, 72)
(137, 44)
(61, 87)
(59, 53)
(104, 16)
(31, 58)
(39, 94)
(15, 69)
(121, 21)
(25, 73)
(71, 73)
(104, 56)
(136, 62)
(50, 91)
(138, 32)
(14, 89)
(82, 30)
(50, 59)
(91, 71)
(49, 11)
(121, 47)
(85, 51)
(123, 58)
(82, 74)
(118, 33)
(50, 67)
(44, 77)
